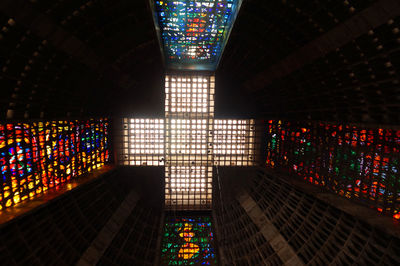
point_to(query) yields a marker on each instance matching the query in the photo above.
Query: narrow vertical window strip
(189, 124)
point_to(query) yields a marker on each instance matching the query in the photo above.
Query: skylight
(188, 142)
(143, 141)
(234, 141)
(193, 33)
(189, 112)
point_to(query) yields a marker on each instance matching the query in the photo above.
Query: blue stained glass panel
(192, 33)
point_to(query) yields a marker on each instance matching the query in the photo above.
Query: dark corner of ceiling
(304, 60)
(97, 58)
(103, 58)
(132, 78)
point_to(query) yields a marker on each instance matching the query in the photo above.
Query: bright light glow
(188, 142)
(188, 178)
(188, 136)
(189, 112)
(192, 94)
(234, 142)
(143, 142)
(188, 186)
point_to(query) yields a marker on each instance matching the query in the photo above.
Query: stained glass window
(188, 241)
(358, 163)
(193, 33)
(37, 156)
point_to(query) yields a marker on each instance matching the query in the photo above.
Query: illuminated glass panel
(193, 33)
(37, 156)
(188, 136)
(234, 142)
(358, 163)
(190, 94)
(188, 142)
(189, 112)
(188, 187)
(143, 142)
(188, 241)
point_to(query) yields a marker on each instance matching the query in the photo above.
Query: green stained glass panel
(188, 241)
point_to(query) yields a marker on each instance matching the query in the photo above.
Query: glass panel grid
(188, 241)
(194, 33)
(188, 186)
(37, 156)
(188, 142)
(188, 136)
(189, 94)
(189, 123)
(234, 142)
(142, 142)
(362, 164)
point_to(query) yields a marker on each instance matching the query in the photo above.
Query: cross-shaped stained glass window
(188, 142)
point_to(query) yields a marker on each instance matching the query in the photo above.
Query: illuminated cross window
(188, 142)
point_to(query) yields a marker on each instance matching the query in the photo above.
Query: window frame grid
(190, 137)
(195, 120)
(146, 156)
(225, 128)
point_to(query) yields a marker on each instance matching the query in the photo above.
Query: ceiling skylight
(193, 33)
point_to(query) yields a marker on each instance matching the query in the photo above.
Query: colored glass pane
(188, 241)
(40, 155)
(358, 163)
(193, 33)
